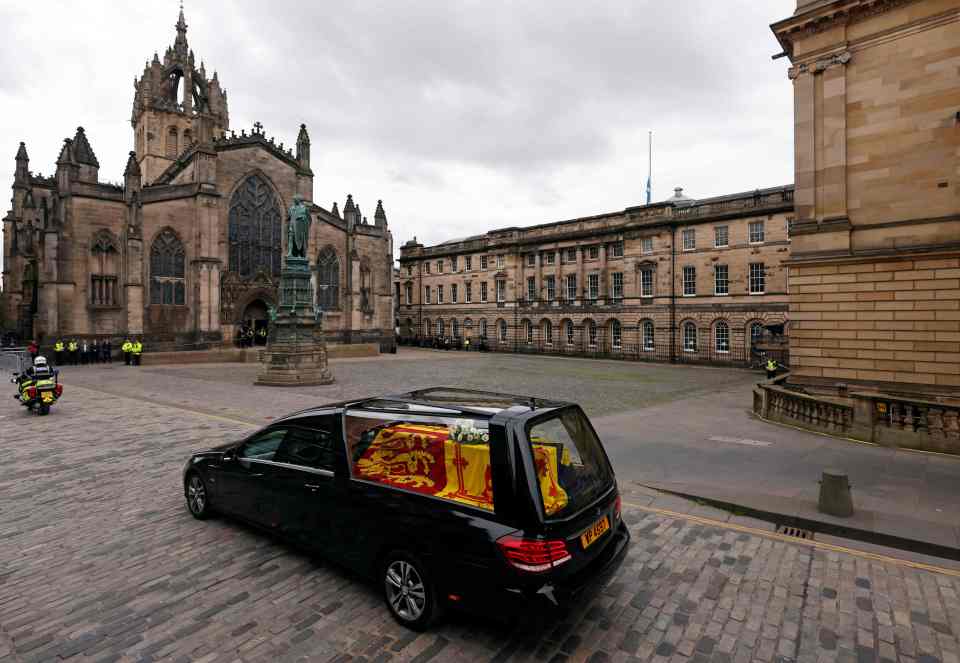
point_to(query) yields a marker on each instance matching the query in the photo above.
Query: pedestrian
(33, 350)
(126, 348)
(262, 335)
(94, 351)
(137, 351)
(771, 368)
(84, 352)
(58, 352)
(73, 348)
(106, 351)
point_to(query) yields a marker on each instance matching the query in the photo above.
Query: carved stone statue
(298, 228)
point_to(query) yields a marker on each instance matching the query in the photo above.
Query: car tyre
(198, 497)
(409, 591)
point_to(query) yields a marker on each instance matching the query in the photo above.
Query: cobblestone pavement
(100, 561)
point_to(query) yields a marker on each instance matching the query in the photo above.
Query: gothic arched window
(103, 268)
(254, 229)
(328, 279)
(172, 143)
(167, 276)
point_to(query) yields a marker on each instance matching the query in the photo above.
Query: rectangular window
(426, 294)
(756, 232)
(484, 263)
(721, 236)
(758, 278)
(551, 257)
(467, 263)
(501, 290)
(646, 283)
(426, 267)
(439, 294)
(531, 289)
(468, 293)
(551, 288)
(689, 239)
(593, 285)
(483, 329)
(483, 291)
(409, 270)
(500, 261)
(454, 293)
(648, 335)
(616, 285)
(646, 245)
(572, 254)
(531, 260)
(594, 252)
(439, 267)
(616, 249)
(571, 287)
(454, 262)
(689, 281)
(408, 293)
(373, 440)
(721, 282)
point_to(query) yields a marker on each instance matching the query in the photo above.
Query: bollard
(835, 498)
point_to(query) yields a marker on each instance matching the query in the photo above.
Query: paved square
(100, 561)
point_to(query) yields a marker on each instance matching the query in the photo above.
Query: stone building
(875, 247)
(683, 280)
(190, 245)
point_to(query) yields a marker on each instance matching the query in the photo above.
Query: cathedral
(188, 250)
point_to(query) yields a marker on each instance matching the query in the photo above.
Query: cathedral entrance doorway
(255, 318)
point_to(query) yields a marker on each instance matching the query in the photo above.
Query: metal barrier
(14, 360)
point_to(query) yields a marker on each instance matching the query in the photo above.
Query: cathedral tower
(174, 106)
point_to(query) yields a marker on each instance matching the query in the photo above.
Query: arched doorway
(255, 321)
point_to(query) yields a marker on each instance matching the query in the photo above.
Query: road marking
(740, 440)
(769, 534)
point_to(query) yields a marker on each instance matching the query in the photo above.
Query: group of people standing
(76, 352)
(247, 336)
(132, 350)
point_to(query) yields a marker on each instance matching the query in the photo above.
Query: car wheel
(410, 593)
(198, 499)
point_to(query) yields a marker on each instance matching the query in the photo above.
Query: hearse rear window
(443, 457)
(572, 469)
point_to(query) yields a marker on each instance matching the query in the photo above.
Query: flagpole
(650, 171)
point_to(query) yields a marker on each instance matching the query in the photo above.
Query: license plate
(46, 396)
(595, 531)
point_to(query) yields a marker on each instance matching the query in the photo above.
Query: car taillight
(533, 555)
(31, 392)
(58, 390)
(616, 508)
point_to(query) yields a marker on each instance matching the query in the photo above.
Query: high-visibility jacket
(137, 347)
(73, 346)
(127, 346)
(771, 365)
(58, 346)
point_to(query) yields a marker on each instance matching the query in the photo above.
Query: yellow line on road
(803, 542)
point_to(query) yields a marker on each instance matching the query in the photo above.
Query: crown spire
(180, 45)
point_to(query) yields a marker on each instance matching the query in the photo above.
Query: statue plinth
(296, 352)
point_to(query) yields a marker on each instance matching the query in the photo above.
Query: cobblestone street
(100, 561)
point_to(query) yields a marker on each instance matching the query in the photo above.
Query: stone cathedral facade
(189, 247)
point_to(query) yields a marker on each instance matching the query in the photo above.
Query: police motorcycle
(38, 387)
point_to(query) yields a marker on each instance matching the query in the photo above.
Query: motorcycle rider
(38, 371)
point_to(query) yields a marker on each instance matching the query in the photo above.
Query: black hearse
(447, 497)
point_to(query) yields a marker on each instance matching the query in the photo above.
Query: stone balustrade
(885, 419)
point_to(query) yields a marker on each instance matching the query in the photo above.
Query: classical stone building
(875, 247)
(190, 245)
(685, 279)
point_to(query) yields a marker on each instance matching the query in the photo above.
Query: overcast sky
(462, 116)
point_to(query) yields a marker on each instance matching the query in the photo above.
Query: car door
(302, 482)
(241, 478)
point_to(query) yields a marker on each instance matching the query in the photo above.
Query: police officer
(771, 369)
(58, 352)
(127, 348)
(262, 334)
(72, 348)
(137, 350)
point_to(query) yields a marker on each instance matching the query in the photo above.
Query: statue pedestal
(296, 353)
